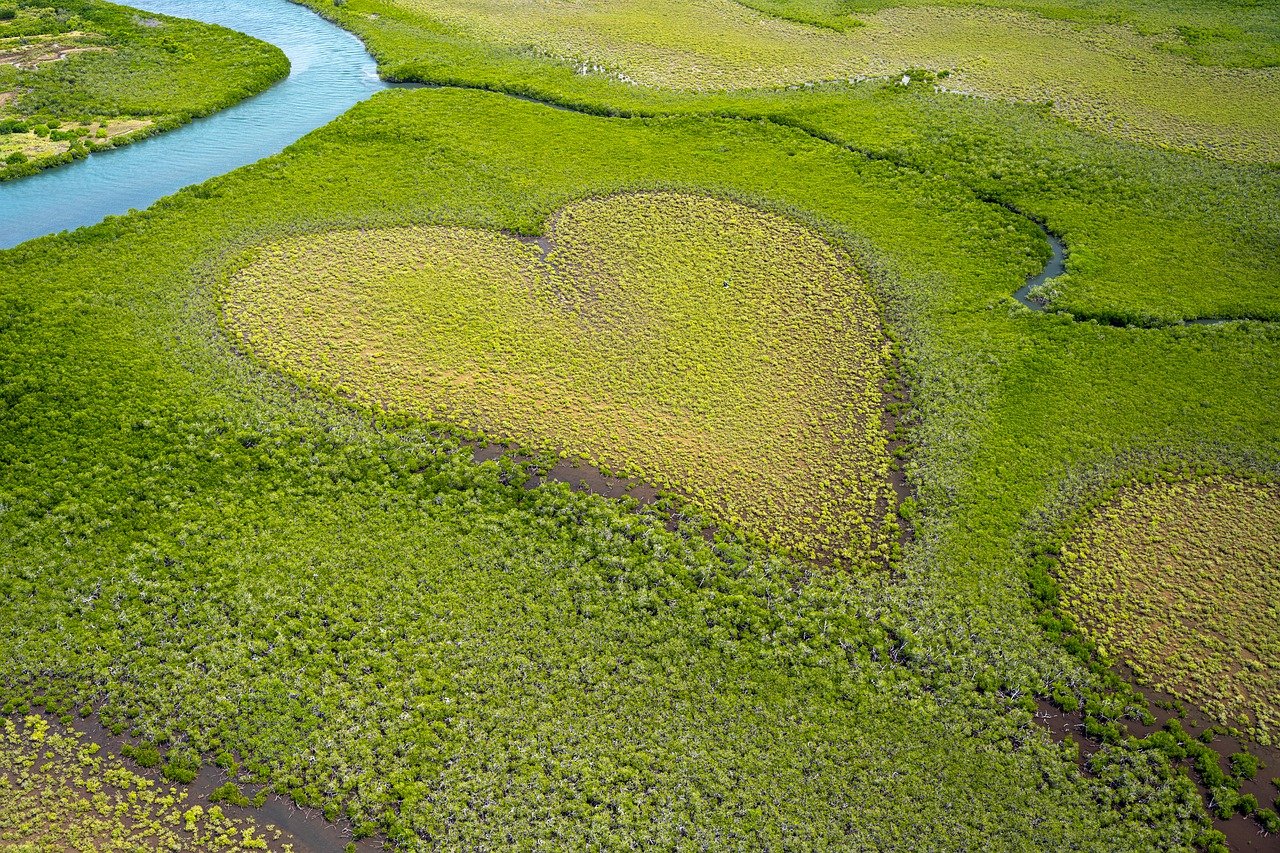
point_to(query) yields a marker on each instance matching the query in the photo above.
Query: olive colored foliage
(82, 75)
(1097, 75)
(1142, 226)
(227, 561)
(1233, 33)
(1181, 582)
(59, 791)
(708, 348)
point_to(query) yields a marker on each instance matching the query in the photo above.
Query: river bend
(330, 72)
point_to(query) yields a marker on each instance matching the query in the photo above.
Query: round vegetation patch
(1181, 581)
(727, 353)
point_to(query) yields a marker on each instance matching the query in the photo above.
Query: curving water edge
(1052, 269)
(330, 72)
(1056, 265)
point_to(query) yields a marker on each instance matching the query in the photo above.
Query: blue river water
(330, 72)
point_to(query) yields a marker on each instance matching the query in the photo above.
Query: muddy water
(279, 820)
(330, 73)
(1243, 833)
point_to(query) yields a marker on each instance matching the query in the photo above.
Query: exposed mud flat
(1243, 833)
(281, 821)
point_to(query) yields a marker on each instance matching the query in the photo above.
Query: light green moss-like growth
(1181, 581)
(59, 791)
(720, 351)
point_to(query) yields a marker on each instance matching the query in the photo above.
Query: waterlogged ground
(1181, 582)
(263, 556)
(1109, 78)
(59, 791)
(710, 348)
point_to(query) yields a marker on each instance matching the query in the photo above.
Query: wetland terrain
(807, 424)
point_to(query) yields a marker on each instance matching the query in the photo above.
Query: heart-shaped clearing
(718, 350)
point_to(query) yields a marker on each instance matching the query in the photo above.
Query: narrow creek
(1052, 269)
(330, 72)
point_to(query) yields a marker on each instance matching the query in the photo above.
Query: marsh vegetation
(240, 506)
(710, 349)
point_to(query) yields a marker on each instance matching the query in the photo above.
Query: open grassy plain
(1099, 75)
(83, 75)
(240, 523)
(1141, 225)
(1229, 33)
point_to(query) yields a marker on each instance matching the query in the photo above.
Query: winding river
(330, 72)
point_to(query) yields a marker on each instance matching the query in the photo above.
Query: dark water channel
(330, 72)
(1052, 269)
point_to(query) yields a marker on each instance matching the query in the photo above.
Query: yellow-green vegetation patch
(59, 791)
(1107, 77)
(31, 51)
(45, 141)
(721, 351)
(1181, 581)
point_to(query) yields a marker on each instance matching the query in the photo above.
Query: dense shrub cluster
(224, 562)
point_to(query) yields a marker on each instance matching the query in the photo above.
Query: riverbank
(329, 72)
(86, 76)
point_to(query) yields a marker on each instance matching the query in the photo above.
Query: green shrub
(182, 766)
(228, 793)
(1245, 765)
(1223, 801)
(144, 754)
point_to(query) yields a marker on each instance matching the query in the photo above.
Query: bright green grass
(135, 73)
(60, 792)
(228, 561)
(718, 351)
(1154, 237)
(1106, 77)
(1181, 582)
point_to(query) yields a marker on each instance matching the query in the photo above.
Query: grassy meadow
(1098, 75)
(1141, 224)
(242, 524)
(84, 75)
